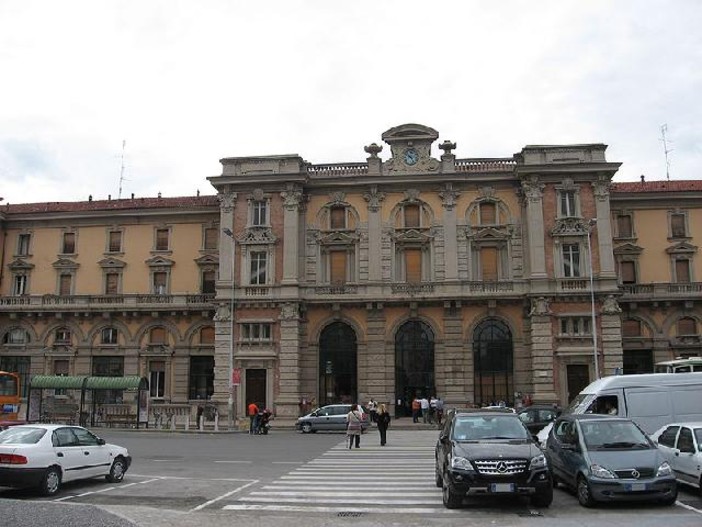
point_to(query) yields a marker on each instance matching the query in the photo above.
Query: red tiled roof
(186, 202)
(658, 186)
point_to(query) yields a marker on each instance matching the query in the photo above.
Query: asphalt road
(291, 479)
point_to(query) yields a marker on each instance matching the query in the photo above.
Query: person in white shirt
(424, 404)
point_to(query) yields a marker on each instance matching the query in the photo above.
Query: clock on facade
(411, 156)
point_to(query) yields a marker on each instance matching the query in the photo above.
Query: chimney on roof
(132, 195)
(198, 194)
(159, 195)
(90, 197)
(109, 197)
(643, 179)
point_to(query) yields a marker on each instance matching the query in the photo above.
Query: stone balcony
(126, 302)
(661, 291)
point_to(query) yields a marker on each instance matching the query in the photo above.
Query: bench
(112, 415)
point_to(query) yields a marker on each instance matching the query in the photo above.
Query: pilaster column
(289, 361)
(533, 191)
(227, 203)
(604, 228)
(611, 332)
(374, 198)
(542, 363)
(448, 196)
(292, 198)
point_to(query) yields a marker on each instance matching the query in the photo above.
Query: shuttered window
(682, 271)
(208, 282)
(677, 225)
(628, 270)
(487, 214)
(162, 239)
(211, 237)
(65, 281)
(687, 326)
(337, 267)
(61, 367)
(411, 215)
(160, 279)
(413, 265)
(624, 227)
(488, 263)
(115, 241)
(158, 336)
(111, 283)
(207, 335)
(69, 243)
(631, 328)
(338, 217)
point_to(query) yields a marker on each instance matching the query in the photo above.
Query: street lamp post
(590, 224)
(230, 402)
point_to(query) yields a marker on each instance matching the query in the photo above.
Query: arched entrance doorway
(337, 364)
(493, 363)
(414, 364)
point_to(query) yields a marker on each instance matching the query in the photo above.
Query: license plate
(636, 487)
(502, 487)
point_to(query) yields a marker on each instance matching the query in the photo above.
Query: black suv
(490, 453)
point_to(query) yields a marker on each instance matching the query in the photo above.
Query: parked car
(46, 455)
(329, 417)
(490, 453)
(536, 417)
(608, 458)
(681, 444)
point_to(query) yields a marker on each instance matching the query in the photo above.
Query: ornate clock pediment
(257, 236)
(410, 147)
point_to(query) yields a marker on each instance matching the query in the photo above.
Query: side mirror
(100, 441)
(535, 438)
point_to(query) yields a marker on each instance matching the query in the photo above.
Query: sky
(149, 95)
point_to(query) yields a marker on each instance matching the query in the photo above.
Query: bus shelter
(83, 400)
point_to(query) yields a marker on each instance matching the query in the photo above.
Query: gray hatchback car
(330, 417)
(607, 458)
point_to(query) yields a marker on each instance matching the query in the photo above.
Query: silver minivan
(329, 417)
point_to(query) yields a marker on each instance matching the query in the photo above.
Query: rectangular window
(411, 213)
(338, 217)
(258, 268)
(208, 282)
(61, 367)
(488, 263)
(108, 367)
(160, 282)
(108, 336)
(413, 265)
(260, 213)
(624, 226)
(682, 271)
(157, 378)
(19, 286)
(576, 326)
(111, 283)
(568, 203)
(115, 242)
(23, 244)
(337, 267)
(211, 240)
(201, 381)
(571, 260)
(628, 272)
(487, 214)
(65, 284)
(15, 336)
(677, 226)
(162, 239)
(62, 336)
(256, 332)
(69, 243)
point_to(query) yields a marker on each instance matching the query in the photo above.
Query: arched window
(493, 362)
(337, 364)
(414, 363)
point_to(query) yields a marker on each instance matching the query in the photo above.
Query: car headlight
(664, 470)
(460, 463)
(538, 462)
(601, 472)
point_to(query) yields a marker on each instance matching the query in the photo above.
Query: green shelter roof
(63, 382)
(56, 381)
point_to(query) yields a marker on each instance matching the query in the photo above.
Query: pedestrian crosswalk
(396, 478)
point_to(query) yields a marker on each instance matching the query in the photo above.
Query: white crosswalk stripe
(397, 478)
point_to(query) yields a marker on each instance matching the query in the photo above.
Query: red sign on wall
(236, 376)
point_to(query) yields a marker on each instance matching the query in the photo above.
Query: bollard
(216, 422)
(187, 422)
(201, 424)
(173, 422)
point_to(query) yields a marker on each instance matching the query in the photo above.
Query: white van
(651, 400)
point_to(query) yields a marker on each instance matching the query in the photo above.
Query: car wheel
(543, 498)
(584, 494)
(117, 470)
(451, 498)
(438, 479)
(306, 428)
(51, 482)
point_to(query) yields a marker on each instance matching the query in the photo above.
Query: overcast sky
(186, 83)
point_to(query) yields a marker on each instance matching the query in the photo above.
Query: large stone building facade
(480, 280)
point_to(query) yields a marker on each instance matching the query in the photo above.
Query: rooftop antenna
(121, 171)
(666, 150)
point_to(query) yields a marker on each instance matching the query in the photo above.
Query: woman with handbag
(383, 422)
(354, 427)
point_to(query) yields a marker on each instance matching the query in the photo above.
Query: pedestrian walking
(416, 410)
(439, 410)
(252, 410)
(354, 426)
(383, 422)
(424, 405)
(372, 409)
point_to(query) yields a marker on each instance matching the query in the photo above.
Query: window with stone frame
(157, 378)
(112, 281)
(631, 328)
(162, 241)
(62, 336)
(338, 266)
(207, 335)
(114, 241)
(687, 326)
(157, 336)
(578, 326)
(61, 367)
(682, 270)
(678, 225)
(568, 204)
(16, 336)
(23, 244)
(489, 263)
(69, 243)
(337, 217)
(258, 267)
(256, 332)
(625, 225)
(487, 213)
(108, 367)
(201, 377)
(209, 278)
(160, 282)
(413, 242)
(109, 336)
(570, 253)
(210, 238)
(411, 216)
(627, 272)
(20, 285)
(259, 213)
(65, 284)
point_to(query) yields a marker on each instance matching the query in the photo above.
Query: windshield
(477, 428)
(698, 435)
(613, 435)
(21, 435)
(580, 404)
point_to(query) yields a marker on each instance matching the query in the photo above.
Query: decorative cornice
(569, 227)
(374, 197)
(257, 236)
(533, 189)
(448, 196)
(292, 197)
